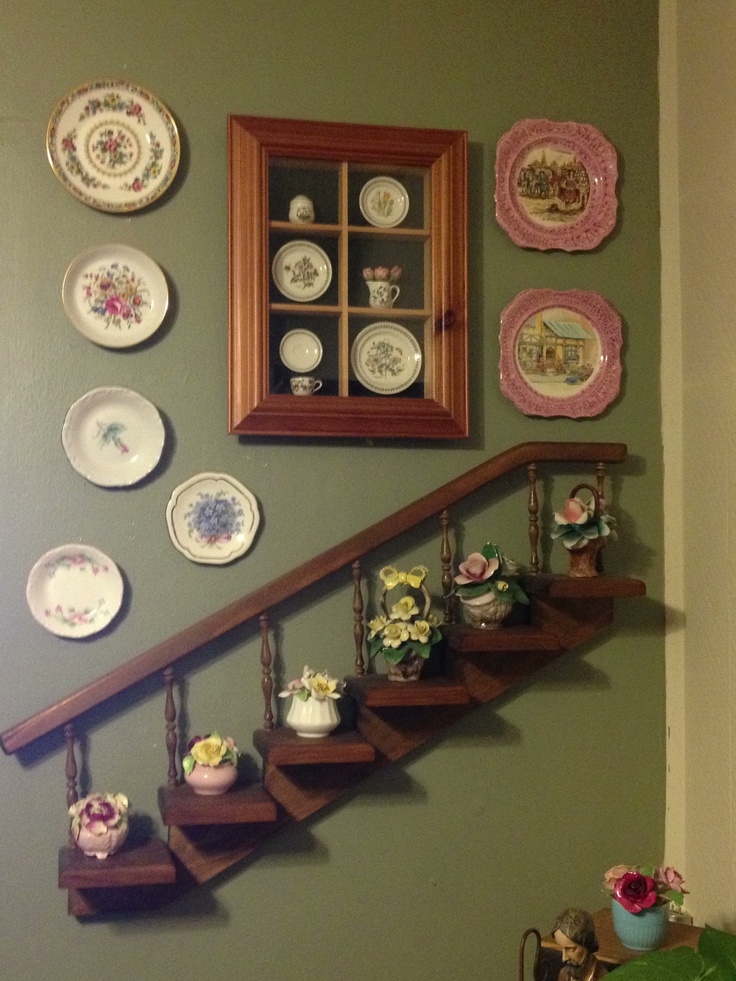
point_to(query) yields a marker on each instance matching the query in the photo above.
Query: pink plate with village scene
(560, 353)
(556, 185)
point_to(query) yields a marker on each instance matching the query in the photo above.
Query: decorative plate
(560, 353)
(115, 295)
(74, 590)
(386, 358)
(212, 518)
(556, 185)
(113, 145)
(113, 436)
(384, 202)
(300, 350)
(301, 270)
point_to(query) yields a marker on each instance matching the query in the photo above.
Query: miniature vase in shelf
(210, 767)
(99, 823)
(313, 712)
(487, 587)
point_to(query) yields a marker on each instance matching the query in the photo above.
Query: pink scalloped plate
(560, 353)
(556, 185)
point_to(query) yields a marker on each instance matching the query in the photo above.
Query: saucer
(300, 350)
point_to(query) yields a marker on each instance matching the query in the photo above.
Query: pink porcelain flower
(613, 875)
(635, 892)
(98, 812)
(476, 569)
(575, 512)
(670, 878)
(382, 273)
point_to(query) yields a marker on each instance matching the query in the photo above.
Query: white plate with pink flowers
(115, 295)
(74, 591)
(113, 436)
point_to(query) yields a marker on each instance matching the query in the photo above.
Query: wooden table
(611, 951)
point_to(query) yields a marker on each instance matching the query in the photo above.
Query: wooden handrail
(240, 611)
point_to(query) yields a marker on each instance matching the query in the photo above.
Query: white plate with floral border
(74, 590)
(301, 270)
(212, 518)
(115, 295)
(113, 145)
(556, 185)
(386, 358)
(113, 436)
(384, 202)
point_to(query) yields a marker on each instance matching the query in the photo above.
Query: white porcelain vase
(313, 717)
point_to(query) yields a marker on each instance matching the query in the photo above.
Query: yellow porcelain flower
(394, 634)
(376, 625)
(405, 609)
(420, 630)
(209, 752)
(392, 577)
(323, 687)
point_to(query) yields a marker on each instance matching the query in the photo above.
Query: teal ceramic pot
(640, 931)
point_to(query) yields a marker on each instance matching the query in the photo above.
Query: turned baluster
(600, 479)
(266, 675)
(533, 509)
(446, 565)
(358, 622)
(70, 768)
(170, 717)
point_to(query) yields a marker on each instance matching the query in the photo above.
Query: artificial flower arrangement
(404, 631)
(580, 522)
(382, 274)
(99, 823)
(211, 750)
(313, 684)
(489, 571)
(639, 888)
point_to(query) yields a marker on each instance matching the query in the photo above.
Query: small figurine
(574, 933)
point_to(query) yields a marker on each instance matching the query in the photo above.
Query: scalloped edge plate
(575, 221)
(113, 437)
(542, 390)
(74, 590)
(212, 518)
(113, 145)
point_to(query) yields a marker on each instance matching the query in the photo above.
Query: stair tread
(146, 863)
(506, 639)
(570, 587)
(282, 747)
(376, 691)
(180, 806)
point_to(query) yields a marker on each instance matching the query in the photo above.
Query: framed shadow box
(347, 280)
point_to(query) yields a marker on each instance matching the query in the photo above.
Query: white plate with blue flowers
(212, 518)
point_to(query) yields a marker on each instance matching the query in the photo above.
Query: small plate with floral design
(115, 295)
(113, 145)
(212, 518)
(384, 202)
(113, 436)
(301, 270)
(74, 590)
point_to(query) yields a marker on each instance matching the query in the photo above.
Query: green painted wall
(434, 870)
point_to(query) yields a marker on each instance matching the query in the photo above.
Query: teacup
(305, 385)
(382, 293)
(301, 209)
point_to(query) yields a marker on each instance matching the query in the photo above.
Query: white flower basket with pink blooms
(487, 587)
(100, 823)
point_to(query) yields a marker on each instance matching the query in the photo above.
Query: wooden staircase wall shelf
(300, 777)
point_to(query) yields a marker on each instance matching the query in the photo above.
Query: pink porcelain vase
(210, 781)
